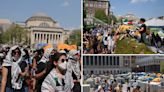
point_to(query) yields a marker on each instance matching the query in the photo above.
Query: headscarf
(16, 80)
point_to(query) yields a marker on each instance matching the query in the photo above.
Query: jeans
(9, 89)
(24, 89)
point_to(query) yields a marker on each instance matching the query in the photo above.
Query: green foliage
(14, 35)
(131, 46)
(74, 38)
(100, 14)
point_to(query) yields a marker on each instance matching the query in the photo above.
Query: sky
(141, 8)
(66, 12)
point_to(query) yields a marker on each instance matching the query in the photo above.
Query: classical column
(32, 37)
(49, 38)
(39, 37)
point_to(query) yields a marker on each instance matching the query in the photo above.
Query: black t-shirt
(143, 26)
(40, 67)
(22, 65)
(8, 83)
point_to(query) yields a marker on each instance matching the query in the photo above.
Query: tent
(66, 46)
(48, 46)
(155, 23)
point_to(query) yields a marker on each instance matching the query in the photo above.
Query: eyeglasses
(62, 60)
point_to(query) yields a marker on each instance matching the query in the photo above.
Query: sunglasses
(62, 60)
(18, 52)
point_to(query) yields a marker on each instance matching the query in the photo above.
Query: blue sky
(141, 8)
(66, 12)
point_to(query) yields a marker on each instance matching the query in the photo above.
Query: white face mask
(63, 65)
(139, 25)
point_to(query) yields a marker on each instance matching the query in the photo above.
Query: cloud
(140, 1)
(65, 4)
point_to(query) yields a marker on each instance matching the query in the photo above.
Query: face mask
(63, 68)
(63, 65)
(139, 25)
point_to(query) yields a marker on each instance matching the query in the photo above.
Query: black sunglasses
(62, 60)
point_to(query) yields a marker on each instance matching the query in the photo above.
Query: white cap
(73, 52)
(62, 51)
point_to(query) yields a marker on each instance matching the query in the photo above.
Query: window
(117, 62)
(53, 36)
(118, 59)
(44, 25)
(41, 37)
(99, 60)
(110, 60)
(59, 36)
(84, 61)
(44, 36)
(107, 61)
(103, 60)
(35, 36)
(91, 60)
(95, 60)
(87, 60)
(56, 37)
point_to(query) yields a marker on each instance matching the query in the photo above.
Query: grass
(129, 45)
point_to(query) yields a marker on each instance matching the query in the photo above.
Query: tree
(75, 37)
(15, 35)
(100, 14)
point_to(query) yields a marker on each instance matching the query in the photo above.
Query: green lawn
(129, 45)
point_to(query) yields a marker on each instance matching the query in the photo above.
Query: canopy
(156, 80)
(66, 46)
(48, 46)
(155, 23)
(40, 45)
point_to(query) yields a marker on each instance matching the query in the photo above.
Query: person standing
(74, 69)
(14, 70)
(142, 31)
(58, 80)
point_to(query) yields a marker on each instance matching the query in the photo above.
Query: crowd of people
(41, 70)
(98, 40)
(103, 39)
(102, 84)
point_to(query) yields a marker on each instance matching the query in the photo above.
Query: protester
(74, 69)
(24, 70)
(57, 79)
(142, 31)
(14, 70)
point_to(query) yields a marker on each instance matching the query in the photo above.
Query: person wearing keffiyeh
(12, 72)
(74, 69)
(58, 80)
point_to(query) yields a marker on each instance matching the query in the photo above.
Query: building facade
(148, 63)
(43, 29)
(103, 64)
(4, 25)
(90, 7)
